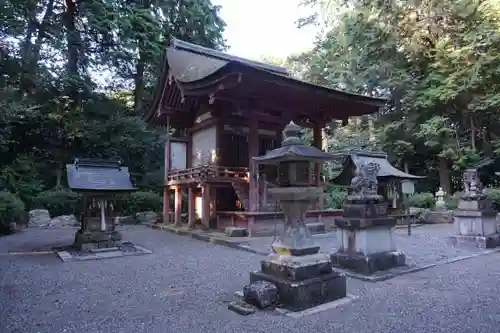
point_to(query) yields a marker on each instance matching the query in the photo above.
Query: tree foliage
(75, 79)
(436, 61)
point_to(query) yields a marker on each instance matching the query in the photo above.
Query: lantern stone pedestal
(304, 278)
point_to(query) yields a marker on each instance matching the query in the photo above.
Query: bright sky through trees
(265, 27)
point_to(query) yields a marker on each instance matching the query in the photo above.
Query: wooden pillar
(253, 185)
(191, 213)
(166, 205)
(213, 202)
(263, 190)
(166, 189)
(318, 143)
(205, 198)
(177, 205)
(253, 150)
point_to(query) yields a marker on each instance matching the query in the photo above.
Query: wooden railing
(208, 172)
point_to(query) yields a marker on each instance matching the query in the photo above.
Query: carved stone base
(475, 223)
(484, 242)
(88, 240)
(368, 264)
(297, 296)
(302, 282)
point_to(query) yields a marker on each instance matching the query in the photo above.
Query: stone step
(104, 249)
(236, 232)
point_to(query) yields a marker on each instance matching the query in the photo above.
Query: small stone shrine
(365, 232)
(103, 183)
(303, 277)
(474, 219)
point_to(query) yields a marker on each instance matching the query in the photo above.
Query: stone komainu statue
(365, 182)
(472, 184)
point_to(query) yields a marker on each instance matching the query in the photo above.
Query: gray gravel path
(37, 239)
(426, 245)
(184, 287)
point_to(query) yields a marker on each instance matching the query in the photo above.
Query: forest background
(77, 75)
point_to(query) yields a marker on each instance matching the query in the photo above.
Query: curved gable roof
(358, 158)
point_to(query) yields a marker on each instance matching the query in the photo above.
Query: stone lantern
(303, 277)
(440, 204)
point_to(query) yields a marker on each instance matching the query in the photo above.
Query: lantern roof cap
(293, 149)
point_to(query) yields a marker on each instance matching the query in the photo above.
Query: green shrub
(494, 197)
(142, 202)
(422, 200)
(22, 178)
(12, 209)
(452, 201)
(59, 202)
(335, 198)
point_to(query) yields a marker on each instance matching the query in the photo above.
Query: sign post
(408, 188)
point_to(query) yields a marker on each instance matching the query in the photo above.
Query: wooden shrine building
(220, 111)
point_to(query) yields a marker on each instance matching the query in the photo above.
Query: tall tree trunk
(139, 80)
(73, 79)
(472, 133)
(444, 174)
(406, 166)
(31, 52)
(26, 47)
(73, 41)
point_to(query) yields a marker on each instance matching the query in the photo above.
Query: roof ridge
(212, 53)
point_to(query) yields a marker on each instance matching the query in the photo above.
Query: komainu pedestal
(474, 220)
(366, 233)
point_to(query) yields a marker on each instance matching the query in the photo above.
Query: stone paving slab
(67, 256)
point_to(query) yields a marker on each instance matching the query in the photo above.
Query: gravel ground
(37, 239)
(426, 245)
(185, 286)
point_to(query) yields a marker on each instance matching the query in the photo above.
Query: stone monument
(365, 232)
(102, 183)
(474, 219)
(303, 277)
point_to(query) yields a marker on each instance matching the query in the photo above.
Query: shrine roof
(357, 158)
(208, 61)
(200, 71)
(87, 174)
(189, 63)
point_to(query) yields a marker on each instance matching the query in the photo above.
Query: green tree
(436, 60)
